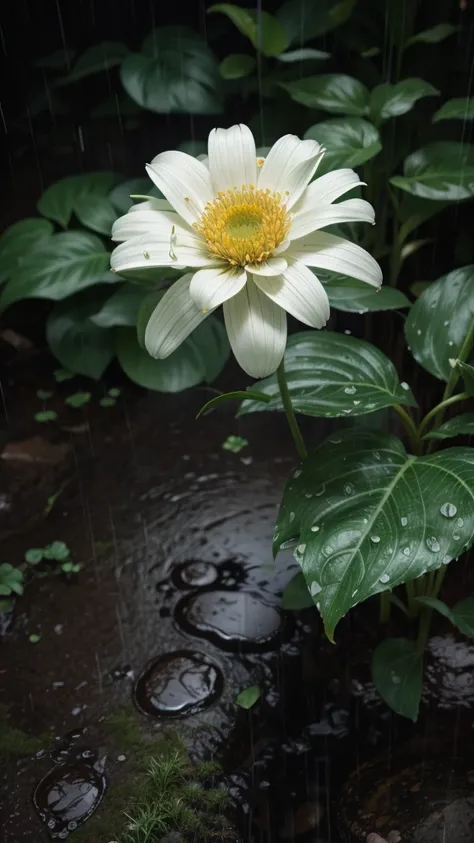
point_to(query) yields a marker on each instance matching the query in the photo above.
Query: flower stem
(290, 413)
(411, 429)
(441, 407)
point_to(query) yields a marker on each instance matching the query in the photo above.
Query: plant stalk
(411, 429)
(290, 413)
(441, 407)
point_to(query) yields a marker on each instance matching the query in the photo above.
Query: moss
(159, 791)
(15, 743)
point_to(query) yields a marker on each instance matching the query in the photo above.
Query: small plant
(78, 399)
(11, 585)
(234, 444)
(249, 696)
(57, 551)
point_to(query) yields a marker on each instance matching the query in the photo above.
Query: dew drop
(292, 515)
(350, 390)
(433, 544)
(328, 549)
(384, 578)
(403, 520)
(419, 332)
(348, 489)
(320, 491)
(459, 522)
(308, 495)
(448, 510)
(301, 548)
(395, 678)
(375, 539)
(348, 332)
(446, 323)
(315, 588)
(297, 473)
(404, 385)
(406, 551)
(314, 529)
(456, 537)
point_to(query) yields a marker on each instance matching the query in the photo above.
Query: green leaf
(349, 141)
(11, 580)
(439, 321)
(57, 550)
(43, 394)
(121, 308)
(211, 347)
(249, 696)
(441, 171)
(296, 595)
(121, 195)
(234, 444)
(304, 21)
(460, 108)
(181, 370)
(462, 425)
(114, 392)
(356, 297)
(433, 35)
(107, 402)
(331, 375)
(467, 374)
(238, 395)
(463, 616)
(419, 287)
(76, 342)
(397, 671)
(61, 375)
(20, 239)
(175, 74)
(369, 517)
(304, 54)
(34, 638)
(78, 399)
(144, 312)
(58, 202)
(236, 65)
(96, 59)
(45, 416)
(263, 30)
(389, 100)
(65, 264)
(34, 555)
(333, 92)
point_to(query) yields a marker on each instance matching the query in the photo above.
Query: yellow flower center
(244, 226)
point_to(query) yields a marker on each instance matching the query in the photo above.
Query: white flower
(249, 228)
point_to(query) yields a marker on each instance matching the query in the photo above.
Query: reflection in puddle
(67, 796)
(178, 684)
(230, 619)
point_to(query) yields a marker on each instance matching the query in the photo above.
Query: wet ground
(176, 610)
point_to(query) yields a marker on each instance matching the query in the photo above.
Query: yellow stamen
(244, 226)
(260, 162)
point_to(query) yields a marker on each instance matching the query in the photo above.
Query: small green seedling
(248, 697)
(11, 580)
(61, 375)
(34, 555)
(45, 416)
(34, 638)
(70, 567)
(234, 444)
(58, 551)
(79, 399)
(44, 394)
(114, 392)
(107, 402)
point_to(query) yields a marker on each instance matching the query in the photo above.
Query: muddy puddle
(175, 611)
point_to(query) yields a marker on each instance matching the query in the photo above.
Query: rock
(35, 450)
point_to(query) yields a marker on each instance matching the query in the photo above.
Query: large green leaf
(349, 142)
(121, 195)
(58, 202)
(98, 58)
(62, 265)
(334, 375)
(442, 171)
(211, 346)
(264, 31)
(78, 344)
(296, 595)
(433, 35)
(460, 108)
(333, 92)
(181, 370)
(20, 239)
(121, 308)
(175, 73)
(462, 425)
(461, 615)
(389, 100)
(369, 517)
(304, 21)
(236, 66)
(397, 670)
(356, 297)
(440, 319)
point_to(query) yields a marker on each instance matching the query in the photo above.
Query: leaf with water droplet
(462, 425)
(397, 670)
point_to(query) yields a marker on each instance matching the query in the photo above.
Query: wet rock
(67, 796)
(35, 450)
(422, 794)
(231, 619)
(178, 684)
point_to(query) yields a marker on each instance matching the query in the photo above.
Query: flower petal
(257, 331)
(273, 266)
(232, 158)
(212, 286)
(326, 251)
(148, 221)
(300, 293)
(319, 216)
(290, 166)
(172, 320)
(184, 181)
(329, 187)
(150, 249)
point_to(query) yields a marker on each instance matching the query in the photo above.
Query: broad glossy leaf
(58, 202)
(121, 308)
(462, 425)
(467, 373)
(330, 92)
(76, 342)
(121, 195)
(21, 239)
(461, 615)
(369, 517)
(304, 21)
(296, 595)
(179, 371)
(434, 35)
(60, 266)
(441, 171)
(397, 671)
(304, 54)
(176, 73)
(389, 100)
(264, 31)
(145, 310)
(96, 59)
(413, 212)
(349, 142)
(440, 319)
(236, 66)
(211, 347)
(331, 375)
(460, 108)
(356, 297)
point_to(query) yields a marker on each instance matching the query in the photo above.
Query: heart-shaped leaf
(389, 100)
(179, 371)
(461, 615)
(96, 59)
(58, 202)
(264, 31)
(175, 73)
(211, 346)
(60, 266)
(440, 319)
(236, 66)
(21, 239)
(441, 171)
(333, 92)
(11, 580)
(462, 425)
(460, 108)
(296, 595)
(397, 670)
(349, 142)
(356, 297)
(368, 516)
(304, 21)
(332, 375)
(121, 308)
(121, 195)
(76, 342)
